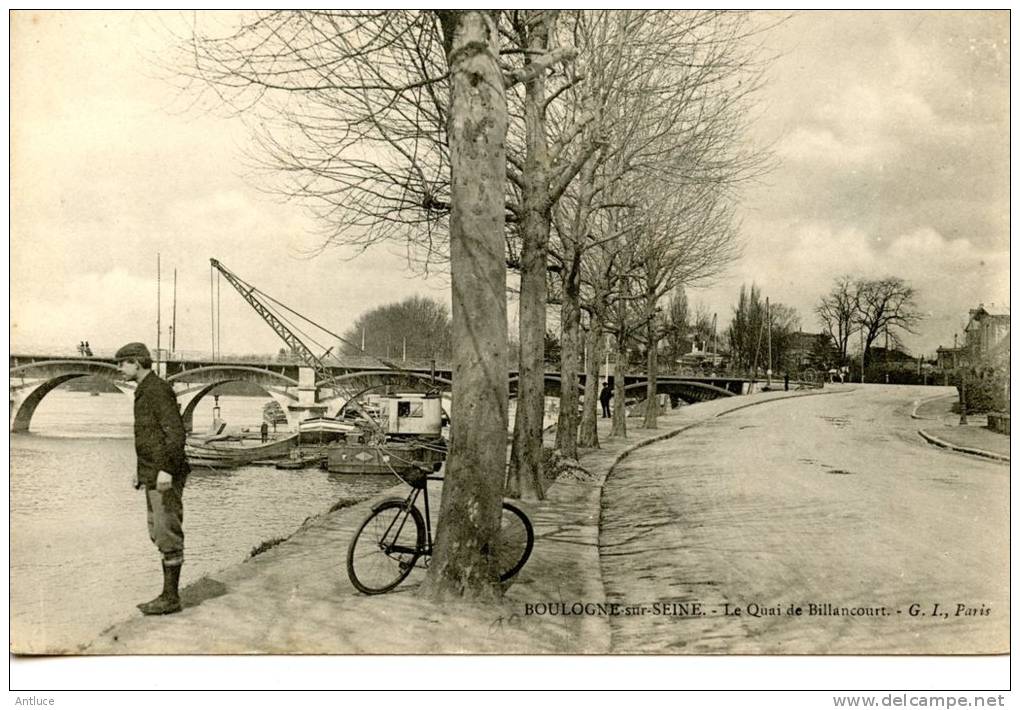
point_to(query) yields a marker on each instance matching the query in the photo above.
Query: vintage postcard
(516, 332)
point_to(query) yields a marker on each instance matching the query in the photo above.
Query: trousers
(165, 518)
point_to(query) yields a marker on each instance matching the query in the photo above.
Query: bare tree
(746, 332)
(783, 324)
(838, 314)
(676, 326)
(703, 328)
(688, 236)
(885, 306)
(669, 91)
(349, 113)
(417, 325)
(540, 174)
(759, 330)
(387, 125)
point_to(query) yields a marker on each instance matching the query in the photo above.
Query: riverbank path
(833, 505)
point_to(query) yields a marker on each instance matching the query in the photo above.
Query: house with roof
(987, 327)
(986, 334)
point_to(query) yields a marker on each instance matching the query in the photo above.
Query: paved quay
(817, 526)
(296, 598)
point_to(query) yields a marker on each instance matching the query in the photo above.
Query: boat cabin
(412, 415)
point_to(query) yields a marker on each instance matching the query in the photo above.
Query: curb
(921, 403)
(932, 439)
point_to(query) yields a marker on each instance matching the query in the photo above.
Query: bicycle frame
(409, 502)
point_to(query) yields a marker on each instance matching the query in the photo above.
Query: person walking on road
(162, 468)
(264, 429)
(604, 396)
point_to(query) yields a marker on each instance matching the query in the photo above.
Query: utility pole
(768, 320)
(715, 341)
(862, 356)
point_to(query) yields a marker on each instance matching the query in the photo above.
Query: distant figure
(81, 348)
(162, 468)
(88, 350)
(264, 429)
(604, 396)
(786, 382)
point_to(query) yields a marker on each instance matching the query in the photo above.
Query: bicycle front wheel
(516, 538)
(385, 548)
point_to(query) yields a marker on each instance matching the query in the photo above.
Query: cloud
(796, 264)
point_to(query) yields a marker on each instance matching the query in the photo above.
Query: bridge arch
(232, 373)
(46, 369)
(194, 385)
(552, 385)
(45, 376)
(190, 403)
(689, 391)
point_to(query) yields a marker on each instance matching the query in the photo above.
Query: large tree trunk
(570, 346)
(651, 392)
(463, 563)
(525, 475)
(589, 433)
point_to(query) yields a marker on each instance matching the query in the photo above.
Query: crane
(254, 298)
(426, 446)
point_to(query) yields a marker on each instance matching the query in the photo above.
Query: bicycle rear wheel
(516, 538)
(385, 548)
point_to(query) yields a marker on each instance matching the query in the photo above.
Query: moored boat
(231, 454)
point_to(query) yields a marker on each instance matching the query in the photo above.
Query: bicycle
(394, 537)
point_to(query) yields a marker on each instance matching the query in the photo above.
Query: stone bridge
(293, 385)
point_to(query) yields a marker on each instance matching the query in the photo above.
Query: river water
(80, 553)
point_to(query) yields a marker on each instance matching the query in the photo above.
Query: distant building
(986, 335)
(809, 350)
(986, 328)
(949, 358)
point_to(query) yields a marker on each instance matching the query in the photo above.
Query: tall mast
(173, 326)
(212, 316)
(159, 324)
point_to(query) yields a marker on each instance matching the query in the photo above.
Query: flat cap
(133, 351)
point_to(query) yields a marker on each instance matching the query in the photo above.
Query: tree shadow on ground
(202, 590)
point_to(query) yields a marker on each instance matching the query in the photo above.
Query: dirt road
(713, 540)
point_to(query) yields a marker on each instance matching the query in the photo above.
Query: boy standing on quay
(162, 468)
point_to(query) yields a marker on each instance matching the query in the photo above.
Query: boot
(169, 602)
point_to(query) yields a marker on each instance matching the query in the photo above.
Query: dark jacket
(605, 395)
(159, 432)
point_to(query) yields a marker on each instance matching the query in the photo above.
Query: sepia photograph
(509, 332)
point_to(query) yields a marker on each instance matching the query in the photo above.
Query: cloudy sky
(890, 130)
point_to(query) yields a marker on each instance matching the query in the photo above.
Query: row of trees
(593, 155)
(867, 309)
